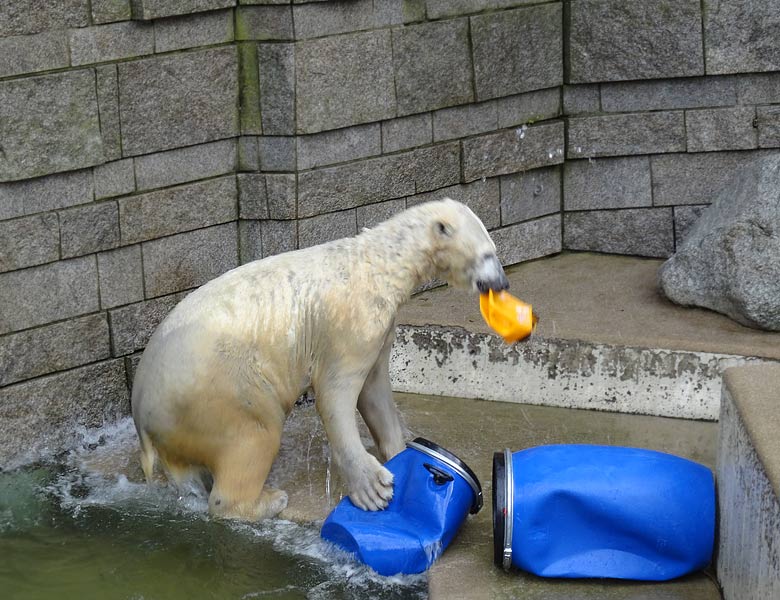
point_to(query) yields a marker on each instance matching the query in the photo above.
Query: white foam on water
(103, 469)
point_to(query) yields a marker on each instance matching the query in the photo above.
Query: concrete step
(748, 475)
(606, 340)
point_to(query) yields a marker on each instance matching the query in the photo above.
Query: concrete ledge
(606, 340)
(748, 473)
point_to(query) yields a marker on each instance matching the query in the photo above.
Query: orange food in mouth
(510, 317)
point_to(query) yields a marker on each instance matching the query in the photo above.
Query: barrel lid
(461, 468)
(503, 505)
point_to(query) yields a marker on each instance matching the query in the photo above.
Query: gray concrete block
(114, 179)
(432, 65)
(432, 168)
(353, 72)
(23, 17)
(684, 219)
(110, 11)
(637, 231)
(282, 196)
(205, 29)
(398, 12)
(721, 129)
(185, 164)
(325, 228)
(265, 23)
(530, 195)
(252, 196)
(688, 92)
(173, 210)
(63, 289)
(276, 79)
(339, 145)
(52, 348)
(529, 107)
(189, 259)
(741, 36)
(768, 120)
(748, 553)
(452, 8)
(29, 241)
(528, 240)
(376, 179)
(482, 197)
(617, 40)
(108, 109)
(178, 100)
(33, 53)
(373, 214)
(43, 416)
(513, 150)
(278, 236)
(154, 9)
(103, 43)
(120, 276)
(89, 228)
(580, 99)
(248, 154)
(49, 124)
(695, 178)
(463, 121)
(131, 366)
(277, 153)
(406, 132)
(330, 18)
(42, 194)
(758, 88)
(517, 50)
(250, 241)
(607, 183)
(133, 325)
(616, 135)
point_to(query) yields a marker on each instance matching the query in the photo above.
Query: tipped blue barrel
(433, 493)
(602, 511)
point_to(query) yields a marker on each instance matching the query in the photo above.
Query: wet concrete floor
(474, 430)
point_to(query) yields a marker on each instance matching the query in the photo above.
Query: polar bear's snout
(490, 275)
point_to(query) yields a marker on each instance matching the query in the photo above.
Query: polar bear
(224, 369)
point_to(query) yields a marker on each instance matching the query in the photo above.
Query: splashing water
(87, 526)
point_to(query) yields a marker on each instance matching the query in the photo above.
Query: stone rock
(730, 259)
(41, 417)
(203, 29)
(529, 240)
(49, 124)
(185, 164)
(638, 231)
(325, 228)
(517, 50)
(22, 17)
(617, 40)
(89, 228)
(120, 274)
(31, 196)
(55, 347)
(61, 290)
(178, 100)
(276, 80)
(133, 325)
(154, 9)
(741, 36)
(530, 194)
(432, 66)
(626, 134)
(342, 80)
(187, 260)
(33, 53)
(29, 241)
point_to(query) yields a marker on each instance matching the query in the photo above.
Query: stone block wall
(146, 146)
(665, 101)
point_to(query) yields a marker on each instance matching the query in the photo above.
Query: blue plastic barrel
(602, 511)
(433, 492)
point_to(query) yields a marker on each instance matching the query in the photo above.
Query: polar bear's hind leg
(239, 473)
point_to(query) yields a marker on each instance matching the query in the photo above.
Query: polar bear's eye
(443, 228)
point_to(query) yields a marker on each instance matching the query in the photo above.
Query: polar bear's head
(463, 252)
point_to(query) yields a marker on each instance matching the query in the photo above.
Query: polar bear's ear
(443, 228)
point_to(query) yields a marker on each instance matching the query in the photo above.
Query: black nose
(498, 284)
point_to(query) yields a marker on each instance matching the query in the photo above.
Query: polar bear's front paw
(370, 485)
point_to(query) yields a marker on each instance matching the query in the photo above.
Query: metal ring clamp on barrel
(508, 500)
